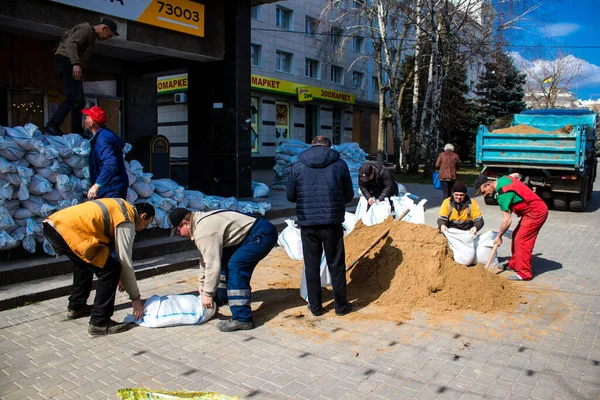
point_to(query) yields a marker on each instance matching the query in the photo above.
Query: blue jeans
(238, 263)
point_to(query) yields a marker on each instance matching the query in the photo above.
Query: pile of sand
(522, 128)
(413, 268)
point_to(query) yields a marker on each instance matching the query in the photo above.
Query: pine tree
(500, 90)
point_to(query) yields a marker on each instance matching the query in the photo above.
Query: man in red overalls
(515, 197)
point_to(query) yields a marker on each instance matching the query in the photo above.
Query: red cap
(96, 114)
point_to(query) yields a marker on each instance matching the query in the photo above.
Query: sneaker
(85, 311)
(111, 328)
(347, 309)
(515, 277)
(317, 313)
(234, 325)
(52, 130)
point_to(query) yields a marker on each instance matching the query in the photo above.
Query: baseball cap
(459, 187)
(176, 217)
(96, 114)
(111, 25)
(364, 172)
(481, 179)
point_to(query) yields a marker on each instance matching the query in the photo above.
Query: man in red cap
(73, 51)
(107, 168)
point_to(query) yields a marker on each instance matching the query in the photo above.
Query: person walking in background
(320, 185)
(73, 51)
(515, 197)
(86, 234)
(447, 162)
(107, 167)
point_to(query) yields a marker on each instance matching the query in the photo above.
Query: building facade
(298, 92)
(206, 40)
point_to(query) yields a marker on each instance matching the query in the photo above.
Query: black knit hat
(459, 187)
(364, 172)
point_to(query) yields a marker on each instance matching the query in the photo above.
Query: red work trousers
(533, 216)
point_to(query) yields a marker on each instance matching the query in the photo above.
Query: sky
(568, 26)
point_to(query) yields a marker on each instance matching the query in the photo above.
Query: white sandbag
(62, 204)
(484, 244)
(325, 278)
(462, 244)
(22, 213)
(132, 195)
(69, 186)
(10, 150)
(249, 207)
(39, 185)
(7, 166)
(6, 221)
(25, 174)
(194, 199)
(47, 247)
(37, 159)
(131, 177)
(11, 206)
(52, 171)
(68, 145)
(27, 137)
(350, 221)
(6, 190)
(38, 206)
(127, 148)
(178, 194)
(416, 214)
(361, 208)
(143, 189)
(28, 243)
(259, 189)
(163, 203)
(290, 240)
(173, 310)
(76, 161)
(164, 187)
(7, 242)
(136, 168)
(227, 203)
(53, 196)
(82, 173)
(401, 189)
(146, 177)
(377, 213)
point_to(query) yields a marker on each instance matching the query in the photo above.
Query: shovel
(373, 243)
(491, 257)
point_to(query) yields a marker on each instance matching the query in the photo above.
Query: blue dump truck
(552, 150)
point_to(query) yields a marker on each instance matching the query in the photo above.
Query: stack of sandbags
(287, 155)
(38, 176)
(42, 174)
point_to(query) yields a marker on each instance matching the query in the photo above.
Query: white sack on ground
(173, 310)
(377, 213)
(290, 240)
(484, 244)
(325, 278)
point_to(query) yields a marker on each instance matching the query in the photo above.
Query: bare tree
(387, 25)
(548, 80)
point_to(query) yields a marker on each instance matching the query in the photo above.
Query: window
(283, 62)
(310, 26)
(337, 74)
(375, 85)
(255, 55)
(254, 12)
(358, 80)
(358, 44)
(283, 18)
(311, 69)
(336, 35)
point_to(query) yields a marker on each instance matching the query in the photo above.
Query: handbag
(436, 180)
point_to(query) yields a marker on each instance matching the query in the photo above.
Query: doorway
(311, 123)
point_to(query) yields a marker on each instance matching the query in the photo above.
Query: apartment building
(298, 90)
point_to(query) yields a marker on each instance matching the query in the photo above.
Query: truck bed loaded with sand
(553, 151)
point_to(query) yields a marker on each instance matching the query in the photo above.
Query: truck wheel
(577, 204)
(590, 188)
(560, 201)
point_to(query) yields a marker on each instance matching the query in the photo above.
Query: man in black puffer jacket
(321, 186)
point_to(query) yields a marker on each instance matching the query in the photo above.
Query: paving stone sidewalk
(546, 349)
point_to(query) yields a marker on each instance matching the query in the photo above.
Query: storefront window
(282, 122)
(27, 107)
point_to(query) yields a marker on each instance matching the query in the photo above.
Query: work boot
(347, 308)
(84, 311)
(234, 325)
(516, 277)
(110, 328)
(52, 130)
(315, 313)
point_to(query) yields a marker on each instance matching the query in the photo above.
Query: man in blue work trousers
(231, 243)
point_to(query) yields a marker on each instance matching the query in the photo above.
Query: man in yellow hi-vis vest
(87, 233)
